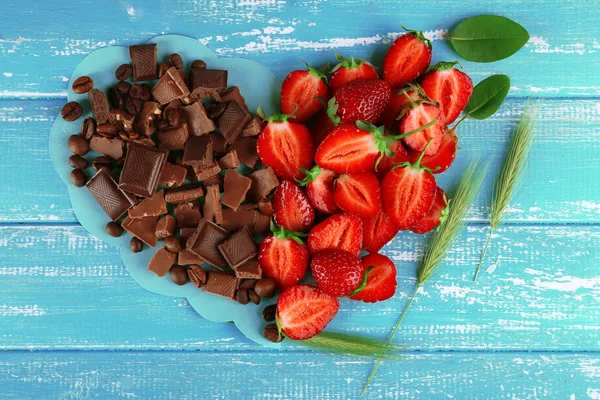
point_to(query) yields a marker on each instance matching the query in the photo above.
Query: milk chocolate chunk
(204, 243)
(212, 205)
(172, 175)
(142, 228)
(150, 207)
(198, 151)
(121, 116)
(142, 169)
(215, 180)
(232, 121)
(221, 284)
(161, 262)
(186, 233)
(201, 93)
(112, 147)
(186, 257)
(254, 127)
(245, 215)
(188, 214)
(106, 192)
(234, 94)
(250, 269)
(165, 227)
(239, 248)
(219, 144)
(245, 147)
(205, 172)
(170, 87)
(264, 181)
(209, 79)
(229, 161)
(173, 138)
(143, 59)
(182, 194)
(236, 187)
(198, 122)
(262, 223)
(144, 121)
(99, 105)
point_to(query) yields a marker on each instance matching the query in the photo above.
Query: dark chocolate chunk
(245, 148)
(124, 72)
(179, 275)
(78, 145)
(212, 205)
(189, 192)
(197, 275)
(219, 144)
(198, 122)
(186, 257)
(173, 245)
(144, 121)
(173, 138)
(172, 175)
(204, 243)
(142, 228)
(229, 161)
(215, 180)
(142, 168)
(198, 151)
(143, 58)
(106, 192)
(254, 127)
(186, 233)
(245, 215)
(209, 79)
(216, 110)
(152, 206)
(161, 262)
(264, 181)
(221, 284)
(236, 187)
(136, 245)
(162, 69)
(264, 206)
(99, 105)
(82, 85)
(123, 117)
(170, 87)
(144, 140)
(239, 248)
(232, 122)
(71, 111)
(205, 172)
(165, 227)
(188, 214)
(173, 116)
(200, 93)
(78, 177)
(234, 94)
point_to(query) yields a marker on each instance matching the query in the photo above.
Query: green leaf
(488, 38)
(488, 96)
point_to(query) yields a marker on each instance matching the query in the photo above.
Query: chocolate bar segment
(161, 262)
(204, 243)
(144, 121)
(221, 284)
(186, 257)
(112, 147)
(212, 205)
(264, 181)
(173, 138)
(142, 169)
(106, 192)
(239, 248)
(165, 227)
(236, 187)
(172, 175)
(229, 161)
(198, 151)
(189, 192)
(245, 147)
(234, 94)
(142, 228)
(99, 105)
(198, 122)
(245, 215)
(249, 270)
(262, 224)
(208, 79)
(170, 87)
(143, 59)
(188, 214)
(254, 127)
(205, 172)
(232, 122)
(152, 206)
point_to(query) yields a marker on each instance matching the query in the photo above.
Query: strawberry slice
(285, 146)
(450, 87)
(303, 311)
(340, 231)
(319, 184)
(336, 272)
(381, 279)
(420, 114)
(435, 216)
(283, 256)
(325, 122)
(349, 70)
(440, 161)
(377, 232)
(300, 93)
(399, 100)
(362, 100)
(408, 57)
(400, 155)
(358, 194)
(291, 208)
(407, 194)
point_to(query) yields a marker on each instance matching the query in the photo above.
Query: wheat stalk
(341, 343)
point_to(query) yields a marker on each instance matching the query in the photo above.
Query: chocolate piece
(236, 187)
(162, 69)
(122, 116)
(161, 262)
(263, 183)
(208, 79)
(142, 228)
(186, 257)
(172, 175)
(265, 206)
(173, 116)
(232, 122)
(198, 151)
(189, 192)
(205, 172)
(190, 175)
(106, 192)
(186, 233)
(229, 161)
(78, 177)
(239, 248)
(142, 168)
(179, 275)
(170, 87)
(215, 180)
(262, 224)
(234, 94)
(144, 121)
(149, 207)
(245, 148)
(78, 145)
(82, 85)
(173, 245)
(219, 144)
(254, 127)
(188, 214)
(198, 122)
(71, 111)
(204, 243)
(145, 140)
(99, 105)
(245, 215)
(165, 227)
(222, 284)
(173, 138)
(212, 205)
(201, 93)
(143, 59)
(216, 110)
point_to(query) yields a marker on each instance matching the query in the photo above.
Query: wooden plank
(175, 375)
(37, 63)
(61, 289)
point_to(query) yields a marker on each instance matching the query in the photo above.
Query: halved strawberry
(358, 194)
(300, 93)
(419, 115)
(336, 272)
(325, 122)
(291, 208)
(399, 100)
(408, 57)
(303, 311)
(381, 279)
(285, 146)
(349, 70)
(450, 87)
(362, 100)
(340, 231)
(388, 162)
(443, 159)
(436, 214)
(283, 256)
(319, 184)
(377, 232)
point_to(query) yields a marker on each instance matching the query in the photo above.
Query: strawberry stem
(419, 35)
(459, 122)
(275, 117)
(311, 175)
(314, 71)
(419, 129)
(348, 63)
(363, 283)
(281, 233)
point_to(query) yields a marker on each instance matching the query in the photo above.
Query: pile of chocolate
(169, 171)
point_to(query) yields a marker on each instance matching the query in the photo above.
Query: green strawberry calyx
(281, 233)
(348, 63)
(275, 117)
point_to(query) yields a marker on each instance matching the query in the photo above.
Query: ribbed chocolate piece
(143, 59)
(222, 284)
(234, 94)
(170, 87)
(204, 243)
(239, 248)
(142, 169)
(232, 121)
(249, 270)
(209, 79)
(106, 192)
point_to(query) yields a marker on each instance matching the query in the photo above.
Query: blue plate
(259, 86)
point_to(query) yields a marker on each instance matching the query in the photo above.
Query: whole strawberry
(340, 231)
(362, 100)
(349, 70)
(291, 208)
(381, 279)
(300, 93)
(320, 189)
(408, 57)
(336, 272)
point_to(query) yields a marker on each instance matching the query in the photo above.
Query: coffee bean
(108, 129)
(197, 275)
(124, 72)
(102, 162)
(123, 87)
(71, 111)
(83, 84)
(173, 116)
(162, 69)
(136, 91)
(269, 313)
(242, 296)
(265, 206)
(78, 162)
(198, 64)
(173, 245)
(128, 136)
(271, 332)
(133, 106)
(88, 128)
(78, 177)
(136, 245)
(115, 97)
(114, 229)
(265, 287)
(253, 296)
(78, 145)
(179, 275)
(216, 111)
(248, 284)
(175, 61)
(146, 93)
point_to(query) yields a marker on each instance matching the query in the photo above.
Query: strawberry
(358, 194)
(381, 279)
(320, 189)
(300, 93)
(340, 231)
(435, 216)
(440, 161)
(419, 115)
(349, 70)
(285, 146)
(388, 162)
(377, 232)
(336, 272)
(362, 100)
(291, 209)
(408, 57)
(407, 193)
(326, 121)
(450, 87)
(399, 100)
(303, 311)
(283, 256)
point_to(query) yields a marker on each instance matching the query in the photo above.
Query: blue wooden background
(74, 324)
